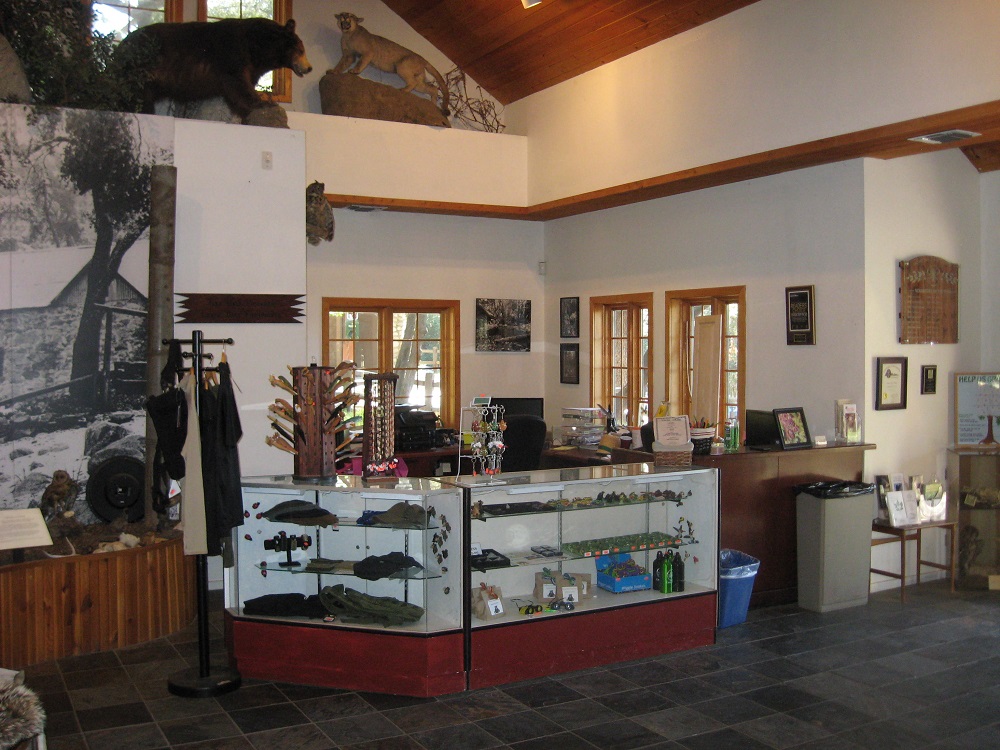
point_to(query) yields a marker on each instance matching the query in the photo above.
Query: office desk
(425, 463)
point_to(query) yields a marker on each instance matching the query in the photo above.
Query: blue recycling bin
(737, 571)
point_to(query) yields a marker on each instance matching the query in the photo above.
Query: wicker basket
(672, 458)
(702, 439)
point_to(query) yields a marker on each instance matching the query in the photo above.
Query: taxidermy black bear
(200, 60)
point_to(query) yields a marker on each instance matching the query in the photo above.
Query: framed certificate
(890, 383)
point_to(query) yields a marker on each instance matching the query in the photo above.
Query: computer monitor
(762, 431)
(519, 405)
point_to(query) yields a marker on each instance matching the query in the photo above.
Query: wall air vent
(364, 209)
(945, 136)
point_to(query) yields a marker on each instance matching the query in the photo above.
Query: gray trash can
(834, 533)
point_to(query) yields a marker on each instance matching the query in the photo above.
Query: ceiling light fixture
(945, 136)
(530, 3)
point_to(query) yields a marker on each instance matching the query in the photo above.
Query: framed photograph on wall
(503, 325)
(928, 380)
(792, 428)
(890, 383)
(569, 364)
(800, 324)
(569, 317)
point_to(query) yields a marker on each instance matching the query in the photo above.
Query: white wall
(395, 255)
(400, 160)
(773, 74)
(989, 312)
(799, 228)
(921, 205)
(241, 230)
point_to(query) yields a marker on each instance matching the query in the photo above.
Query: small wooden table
(903, 534)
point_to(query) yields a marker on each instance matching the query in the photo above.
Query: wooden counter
(757, 510)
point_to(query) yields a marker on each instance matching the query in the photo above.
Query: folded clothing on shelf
(286, 605)
(402, 515)
(301, 512)
(395, 564)
(353, 606)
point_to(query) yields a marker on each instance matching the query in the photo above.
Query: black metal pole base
(188, 683)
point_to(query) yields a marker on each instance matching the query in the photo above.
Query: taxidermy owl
(319, 215)
(60, 495)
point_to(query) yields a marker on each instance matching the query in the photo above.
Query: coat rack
(202, 682)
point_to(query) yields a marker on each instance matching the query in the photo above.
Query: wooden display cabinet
(974, 486)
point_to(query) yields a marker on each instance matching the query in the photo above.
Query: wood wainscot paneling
(87, 603)
(757, 505)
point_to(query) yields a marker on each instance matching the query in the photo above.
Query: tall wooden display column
(314, 425)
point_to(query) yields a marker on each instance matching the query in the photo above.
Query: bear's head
(299, 63)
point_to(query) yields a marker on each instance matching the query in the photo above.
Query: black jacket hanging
(220, 434)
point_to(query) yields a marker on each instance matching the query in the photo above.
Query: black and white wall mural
(74, 264)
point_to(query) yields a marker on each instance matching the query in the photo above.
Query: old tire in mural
(116, 487)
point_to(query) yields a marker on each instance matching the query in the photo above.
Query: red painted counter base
(522, 651)
(425, 666)
(381, 662)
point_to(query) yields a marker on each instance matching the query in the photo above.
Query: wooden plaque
(928, 301)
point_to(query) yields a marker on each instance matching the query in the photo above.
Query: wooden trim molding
(883, 142)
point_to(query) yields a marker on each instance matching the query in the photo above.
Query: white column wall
(922, 205)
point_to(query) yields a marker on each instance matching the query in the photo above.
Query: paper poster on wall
(977, 409)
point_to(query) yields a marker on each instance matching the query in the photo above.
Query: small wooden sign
(928, 301)
(240, 308)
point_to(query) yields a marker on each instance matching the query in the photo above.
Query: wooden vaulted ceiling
(513, 52)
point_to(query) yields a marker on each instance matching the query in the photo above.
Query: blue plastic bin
(737, 571)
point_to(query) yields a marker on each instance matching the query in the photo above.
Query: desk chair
(524, 439)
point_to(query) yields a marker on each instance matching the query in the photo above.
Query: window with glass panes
(121, 17)
(415, 339)
(683, 309)
(621, 374)
(278, 83)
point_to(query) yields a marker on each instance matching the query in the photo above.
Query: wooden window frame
(281, 89)
(173, 10)
(601, 355)
(677, 303)
(450, 339)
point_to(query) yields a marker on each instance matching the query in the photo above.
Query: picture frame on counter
(890, 383)
(793, 430)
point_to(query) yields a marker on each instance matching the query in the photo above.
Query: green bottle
(667, 579)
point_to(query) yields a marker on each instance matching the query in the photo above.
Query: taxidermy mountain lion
(361, 48)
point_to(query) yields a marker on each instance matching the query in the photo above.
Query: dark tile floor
(883, 676)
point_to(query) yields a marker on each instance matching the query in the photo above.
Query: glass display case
(329, 573)
(572, 554)
(463, 582)
(358, 545)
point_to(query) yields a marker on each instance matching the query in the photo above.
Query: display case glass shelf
(557, 526)
(375, 554)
